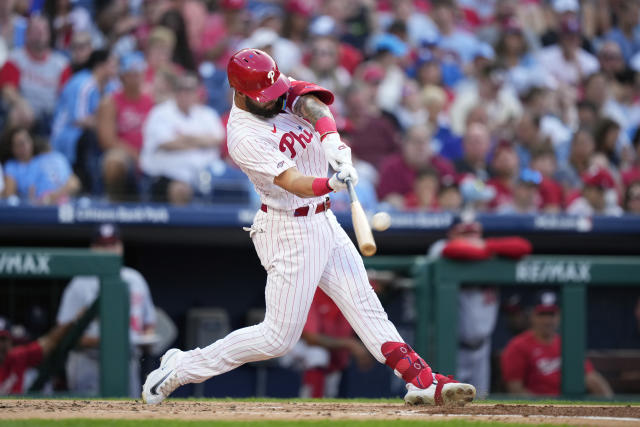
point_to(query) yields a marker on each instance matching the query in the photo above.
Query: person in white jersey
(281, 134)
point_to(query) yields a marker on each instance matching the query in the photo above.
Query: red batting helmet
(254, 73)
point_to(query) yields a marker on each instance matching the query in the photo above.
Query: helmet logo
(271, 75)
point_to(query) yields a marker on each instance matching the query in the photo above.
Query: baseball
(381, 221)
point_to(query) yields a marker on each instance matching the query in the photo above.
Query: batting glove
(337, 152)
(338, 180)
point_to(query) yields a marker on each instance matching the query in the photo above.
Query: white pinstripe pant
(298, 253)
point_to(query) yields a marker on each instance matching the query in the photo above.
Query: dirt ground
(229, 410)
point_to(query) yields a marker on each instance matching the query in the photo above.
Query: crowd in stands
(505, 106)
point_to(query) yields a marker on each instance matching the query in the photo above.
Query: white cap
(261, 38)
(561, 6)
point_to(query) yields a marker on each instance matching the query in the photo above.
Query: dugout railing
(437, 282)
(112, 306)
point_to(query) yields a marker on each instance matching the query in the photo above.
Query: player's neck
(240, 102)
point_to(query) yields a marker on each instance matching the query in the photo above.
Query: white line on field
(585, 417)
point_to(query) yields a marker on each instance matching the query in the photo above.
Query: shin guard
(406, 364)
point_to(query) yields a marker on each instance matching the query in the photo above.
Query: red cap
(233, 4)
(598, 178)
(302, 7)
(373, 73)
(254, 73)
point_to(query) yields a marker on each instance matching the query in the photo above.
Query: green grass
(273, 423)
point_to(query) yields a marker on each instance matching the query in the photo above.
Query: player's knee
(280, 340)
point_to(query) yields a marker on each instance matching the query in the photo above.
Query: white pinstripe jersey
(264, 148)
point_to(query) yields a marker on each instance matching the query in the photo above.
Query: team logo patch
(280, 164)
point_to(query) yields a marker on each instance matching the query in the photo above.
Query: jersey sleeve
(299, 88)
(513, 362)
(9, 75)
(260, 157)
(588, 366)
(29, 354)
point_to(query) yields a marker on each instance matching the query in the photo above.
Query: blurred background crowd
(505, 106)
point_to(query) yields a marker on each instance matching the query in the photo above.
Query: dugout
(437, 282)
(112, 305)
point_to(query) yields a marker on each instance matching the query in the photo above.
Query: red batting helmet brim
(275, 91)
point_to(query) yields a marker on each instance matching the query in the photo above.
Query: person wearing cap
(551, 192)
(525, 194)
(399, 172)
(599, 196)
(83, 365)
(505, 170)
(531, 362)
(15, 359)
(119, 123)
(566, 61)
(74, 121)
(181, 139)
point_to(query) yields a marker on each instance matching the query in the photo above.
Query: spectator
(424, 196)
(286, 53)
(388, 52)
(596, 90)
(598, 195)
(65, 19)
(119, 121)
(499, 99)
(325, 69)
(451, 38)
(373, 135)
(398, 172)
(35, 173)
(632, 172)
(531, 362)
(182, 55)
(566, 61)
(411, 110)
(83, 364)
(74, 122)
(15, 360)
(606, 134)
(181, 140)
(610, 59)
(449, 198)
(528, 138)
(551, 192)
(581, 152)
(632, 202)
(324, 350)
(622, 106)
(160, 46)
(526, 196)
(444, 141)
(81, 48)
(504, 167)
(13, 27)
(32, 77)
(627, 32)
(476, 144)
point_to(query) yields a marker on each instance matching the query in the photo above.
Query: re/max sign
(16, 263)
(553, 271)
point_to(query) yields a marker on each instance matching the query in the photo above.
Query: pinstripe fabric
(298, 253)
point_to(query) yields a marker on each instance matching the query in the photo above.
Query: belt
(304, 210)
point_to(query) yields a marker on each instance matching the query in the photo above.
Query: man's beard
(267, 113)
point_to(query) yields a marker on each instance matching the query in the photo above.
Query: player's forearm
(597, 385)
(49, 341)
(301, 185)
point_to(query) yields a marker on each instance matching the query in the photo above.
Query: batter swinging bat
(360, 223)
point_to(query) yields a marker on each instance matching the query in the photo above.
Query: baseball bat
(360, 223)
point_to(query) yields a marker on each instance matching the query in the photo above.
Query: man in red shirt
(14, 361)
(531, 361)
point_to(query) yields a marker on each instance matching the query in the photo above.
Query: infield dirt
(231, 410)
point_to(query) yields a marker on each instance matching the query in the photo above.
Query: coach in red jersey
(531, 362)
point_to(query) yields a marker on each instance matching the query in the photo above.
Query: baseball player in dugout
(282, 134)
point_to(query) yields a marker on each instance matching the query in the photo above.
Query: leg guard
(406, 364)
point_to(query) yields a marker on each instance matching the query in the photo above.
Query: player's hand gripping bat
(360, 223)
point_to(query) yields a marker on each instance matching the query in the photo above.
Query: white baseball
(381, 221)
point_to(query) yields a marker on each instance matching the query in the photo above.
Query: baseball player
(282, 134)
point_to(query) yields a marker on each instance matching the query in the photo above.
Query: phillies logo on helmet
(255, 74)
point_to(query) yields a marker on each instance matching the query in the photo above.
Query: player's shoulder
(132, 276)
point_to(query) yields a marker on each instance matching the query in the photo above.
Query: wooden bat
(360, 224)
